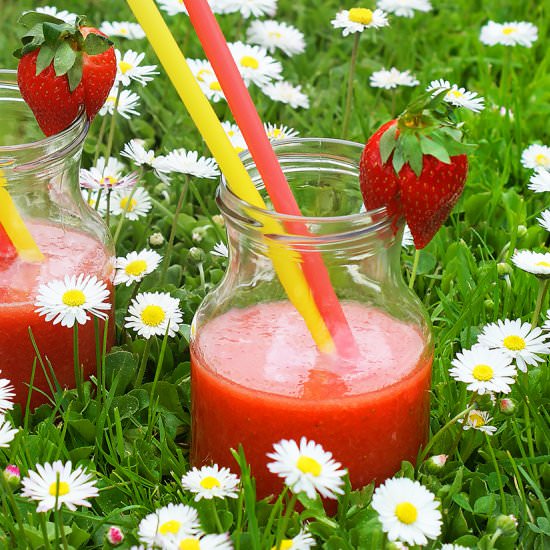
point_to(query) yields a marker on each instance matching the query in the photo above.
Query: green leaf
(45, 57)
(52, 33)
(398, 158)
(74, 74)
(127, 405)
(64, 59)
(412, 152)
(95, 44)
(31, 18)
(388, 143)
(435, 149)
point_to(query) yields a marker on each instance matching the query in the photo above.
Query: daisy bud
(507, 406)
(436, 463)
(522, 231)
(114, 535)
(12, 475)
(504, 269)
(506, 524)
(156, 240)
(218, 220)
(196, 254)
(489, 304)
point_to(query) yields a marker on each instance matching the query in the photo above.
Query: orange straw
(248, 120)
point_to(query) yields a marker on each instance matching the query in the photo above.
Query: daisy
(172, 7)
(206, 77)
(189, 162)
(544, 219)
(509, 34)
(211, 481)
(302, 541)
(540, 181)
(128, 68)
(284, 92)
(126, 106)
(484, 370)
(455, 547)
(71, 300)
(7, 432)
(307, 468)
(517, 340)
(478, 420)
(107, 175)
(235, 136)
(65, 15)
(173, 520)
(278, 131)
(135, 265)
(359, 19)
(389, 79)
(202, 542)
(154, 314)
(12, 475)
(459, 97)
(407, 511)
(272, 34)
(537, 263)
(254, 64)
(7, 393)
(132, 203)
(220, 249)
(136, 152)
(404, 8)
(124, 29)
(536, 157)
(114, 535)
(252, 8)
(56, 484)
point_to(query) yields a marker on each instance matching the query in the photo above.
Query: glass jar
(256, 374)
(41, 177)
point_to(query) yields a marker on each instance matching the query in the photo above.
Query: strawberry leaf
(74, 74)
(398, 160)
(431, 147)
(388, 143)
(412, 152)
(64, 58)
(31, 18)
(45, 57)
(95, 44)
(52, 32)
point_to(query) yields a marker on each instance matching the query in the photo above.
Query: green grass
(135, 437)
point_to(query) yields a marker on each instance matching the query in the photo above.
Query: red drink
(257, 377)
(67, 252)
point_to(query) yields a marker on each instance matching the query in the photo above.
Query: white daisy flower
(133, 267)
(537, 263)
(536, 156)
(129, 68)
(7, 393)
(220, 249)
(279, 131)
(389, 79)
(206, 77)
(284, 92)
(132, 203)
(136, 152)
(202, 542)
(57, 483)
(254, 64)
(455, 547)
(460, 97)
(211, 482)
(123, 29)
(65, 15)
(407, 237)
(107, 175)
(126, 106)
(509, 34)
(359, 19)
(188, 162)
(164, 524)
(407, 511)
(484, 370)
(273, 35)
(7, 432)
(307, 468)
(172, 7)
(404, 8)
(235, 136)
(478, 420)
(540, 181)
(517, 340)
(71, 300)
(302, 541)
(544, 219)
(153, 314)
(251, 8)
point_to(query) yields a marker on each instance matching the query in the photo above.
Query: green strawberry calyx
(59, 42)
(427, 127)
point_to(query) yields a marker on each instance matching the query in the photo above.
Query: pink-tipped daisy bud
(506, 524)
(196, 254)
(156, 240)
(12, 475)
(507, 405)
(114, 535)
(436, 463)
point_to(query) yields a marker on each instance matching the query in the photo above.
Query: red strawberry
(63, 68)
(415, 166)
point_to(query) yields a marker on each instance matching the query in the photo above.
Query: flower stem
(143, 364)
(76, 364)
(349, 93)
(219, 526)
(414, 268)
(59, 518)
(123, 214)
(543, 289)
(283, 525)
(206, 211)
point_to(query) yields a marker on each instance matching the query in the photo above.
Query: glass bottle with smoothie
(256, 374)
(41, 177)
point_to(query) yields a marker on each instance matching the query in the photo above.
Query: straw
(285, 261)
(15, 228)
(248, 120)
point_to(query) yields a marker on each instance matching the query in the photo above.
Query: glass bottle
(41, 178)
(256, 374)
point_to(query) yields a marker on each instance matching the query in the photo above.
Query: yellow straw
(15, 227)
(284, 260)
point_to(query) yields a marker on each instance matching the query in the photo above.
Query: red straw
(248, 120)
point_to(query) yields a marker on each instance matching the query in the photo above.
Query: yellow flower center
(476, 420)
(456, 93)
(74, 298)
(542, 264)
(514, 343)
(508, 30)
(153, 315)
(127, 205)
(215, 86)
(406, 512)
(124, 67)
(136, 268)
(308, 465)
(286, 544)
(275, 34)
(209, 482)
(59, 489)
(542, 159)
(360, 15)
(189, 544)
(172, 526)
(202, 73)
(276, 133)
(108, 181)
(249, 62)
(483, 373)
(123, 30)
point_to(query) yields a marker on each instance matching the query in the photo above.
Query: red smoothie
(67, 252)
(257, 378)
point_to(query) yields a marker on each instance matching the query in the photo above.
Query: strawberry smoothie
(257, 377)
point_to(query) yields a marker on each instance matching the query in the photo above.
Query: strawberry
(62, 69)
(416, 167)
